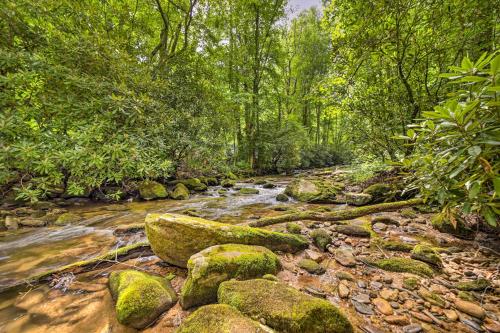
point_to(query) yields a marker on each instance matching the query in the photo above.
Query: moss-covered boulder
(426, 253)
(357, 199)
(402, 265)
(260, 182)
(193, 184)
(269, 185)
(380, 192)
(208, 268)
(391, 245)
(67, 218)
(282, 197)
(209, 181)
(321, 238)
(228, 183)
(307, 190)
(311, 266)
(140, 297)
(180, 192)
(283, 308)
(230, 175)
(460, 230)
(248, 191)
(220, 318)
(175, 238)
(149, 190)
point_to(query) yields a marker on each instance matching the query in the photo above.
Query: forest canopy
(109, 92)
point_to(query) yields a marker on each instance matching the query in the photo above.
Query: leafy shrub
(456, 159)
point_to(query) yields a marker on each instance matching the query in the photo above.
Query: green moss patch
(411, 283)
(180, 192)
(293, 228)
(426, 253)
(248, 191)
(402, 265)
(476, 285)
(311, 266)
(321, 238)
(149, 190)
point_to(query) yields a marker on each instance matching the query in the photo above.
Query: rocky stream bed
(385, 271)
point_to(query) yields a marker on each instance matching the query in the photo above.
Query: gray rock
(413, 328)
(362, 308)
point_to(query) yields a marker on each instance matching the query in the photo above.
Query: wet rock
(321, 238)
(208, 268)
(430, 297)
(11, 222)
(400, 320)
(389, 294)
(220, 318)
(380, 192)
(140, 297)
(362, 298)
(426, 253)
(383, 306)
(473, 325)
(362, 308)
(67, 218)
(352, 230)
(470, 308)
(451, 315)
(282, 197)
(343, 290)
(357, 199)
(248, 191)
(180, 192)
(307, 190)
(344, 276)
(313, 291)
(269, 185)
(32, 222)
(344, 257)
(379, 227)
(385, 219)
(273, 301)
(375, 285)
(311, 266)
(149, 190)
(228, 183)
(314, 255)
(413, 328)
(174, 238)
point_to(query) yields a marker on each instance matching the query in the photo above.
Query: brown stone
(383, 306)
(470, 308)
(397, 320)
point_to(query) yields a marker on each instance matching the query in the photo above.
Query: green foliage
(456, 158)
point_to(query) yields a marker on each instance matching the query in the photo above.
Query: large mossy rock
(307, 190)
(401, 265)
(460, 230)
(140, 297)
(283, 308)
(380, 192)
(219, 263)
(149, 190)
(357, 199)
(180, 192)
(175, 238)
(220, 318)
(194, 184)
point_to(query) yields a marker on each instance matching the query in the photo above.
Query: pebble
(470, 308)
(400, 320)
(383, 306)
(394, 305)
(362, 308)
(472, 324)
(362, 298)
(343, 290)
(379, 227)
(413, 328)
(451, 315)
(376, 285)
(361, 284)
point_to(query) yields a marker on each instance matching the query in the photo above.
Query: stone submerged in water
(140, 297)
(220, 318)
(312, 190)
(283, 308)
(175, 238)
(210, 267)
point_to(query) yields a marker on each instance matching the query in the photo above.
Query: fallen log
(337, 215)
(121, 254)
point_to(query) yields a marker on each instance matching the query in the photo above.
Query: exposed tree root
(335, 215)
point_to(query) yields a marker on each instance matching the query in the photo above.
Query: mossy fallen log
(337, 215)
(121, 254)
